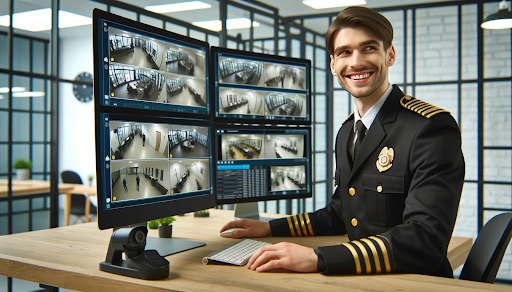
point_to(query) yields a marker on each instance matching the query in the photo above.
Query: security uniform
(397, 201)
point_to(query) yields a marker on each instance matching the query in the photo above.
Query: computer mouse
(227, 232)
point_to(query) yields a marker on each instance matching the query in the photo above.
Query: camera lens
(140, 237)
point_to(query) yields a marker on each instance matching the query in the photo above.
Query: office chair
(486, 255)
(77, 200)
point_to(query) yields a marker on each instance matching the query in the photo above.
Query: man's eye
(343, 53)
(370, 48)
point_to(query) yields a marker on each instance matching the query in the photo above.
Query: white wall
(76, 119)
(150, 131)
(114, 140)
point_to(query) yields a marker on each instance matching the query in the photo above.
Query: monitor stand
(249, 211)
(169, 246)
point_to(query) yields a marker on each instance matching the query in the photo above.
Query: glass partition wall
(443, 57)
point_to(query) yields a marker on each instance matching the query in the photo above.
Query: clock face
(83, 92)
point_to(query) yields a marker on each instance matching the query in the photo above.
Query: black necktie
(361, 131)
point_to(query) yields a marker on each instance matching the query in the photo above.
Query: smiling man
(399, 171)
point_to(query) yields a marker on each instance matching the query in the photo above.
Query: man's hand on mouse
(284, 255)
(253, 228)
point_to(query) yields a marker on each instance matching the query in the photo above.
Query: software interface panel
(150, 71)
(262, 163)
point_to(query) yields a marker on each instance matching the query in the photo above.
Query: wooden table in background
(69, 257)
(28, 187)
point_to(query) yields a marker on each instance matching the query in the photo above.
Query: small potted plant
(202, 213)
(165, 226)
(22, 167)
(90, 178)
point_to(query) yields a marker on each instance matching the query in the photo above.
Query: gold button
(352, 191)
(379, 189)
(334, 182)
(354, 222)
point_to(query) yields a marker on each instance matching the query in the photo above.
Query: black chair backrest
(487, 252)
(70, 177)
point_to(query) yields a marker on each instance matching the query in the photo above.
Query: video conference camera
(139, 263)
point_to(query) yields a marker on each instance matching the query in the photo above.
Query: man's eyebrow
(362, 44)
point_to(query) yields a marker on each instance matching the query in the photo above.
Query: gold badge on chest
(385, 158)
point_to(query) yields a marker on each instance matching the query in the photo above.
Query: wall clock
(83, 92)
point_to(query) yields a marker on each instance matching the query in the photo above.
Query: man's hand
(253, 228)
(285, 255)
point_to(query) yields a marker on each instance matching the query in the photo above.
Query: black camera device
(139, 263)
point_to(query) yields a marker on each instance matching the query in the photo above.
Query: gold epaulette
(425, 109)
(348, 118)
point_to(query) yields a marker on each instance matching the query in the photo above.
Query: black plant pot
(165, 231)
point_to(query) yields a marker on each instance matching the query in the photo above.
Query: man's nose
(357, 60)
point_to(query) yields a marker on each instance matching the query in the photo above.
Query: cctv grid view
(277, 159)
(150, 160)
(160, 74)
(250, 87)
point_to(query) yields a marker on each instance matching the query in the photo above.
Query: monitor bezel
(109, 218)
(257, 121)
(217, 126)
(100, 14)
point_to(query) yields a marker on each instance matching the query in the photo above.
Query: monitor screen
(259, 164)
(259, 88)
(151, 162)
(143, 67)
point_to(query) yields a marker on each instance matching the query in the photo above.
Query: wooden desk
(69, 257)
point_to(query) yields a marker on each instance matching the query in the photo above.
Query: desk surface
(69, 257)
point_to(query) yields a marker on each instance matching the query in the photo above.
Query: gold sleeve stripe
(291, 226)
(392, 254)
(374, 252)
(303, 225)
(297, 226)
(356, 257)
(309, 225)
(365, 256)
(422, 108)
(384, 252)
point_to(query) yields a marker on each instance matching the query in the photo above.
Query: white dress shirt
(368, 118)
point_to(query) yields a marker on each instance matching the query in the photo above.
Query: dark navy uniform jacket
(397, 201)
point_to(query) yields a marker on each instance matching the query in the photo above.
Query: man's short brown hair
(360, 16)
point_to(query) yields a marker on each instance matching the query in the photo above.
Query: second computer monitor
(261, 164)
(260, 88)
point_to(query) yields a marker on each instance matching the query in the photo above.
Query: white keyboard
(237, 253)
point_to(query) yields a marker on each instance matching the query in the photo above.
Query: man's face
(360, 61)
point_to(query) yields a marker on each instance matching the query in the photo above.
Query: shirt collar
(370, 115)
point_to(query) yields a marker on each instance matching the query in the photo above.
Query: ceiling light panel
(41, 19)
(233, 23)
(323, 4)
(175, 7)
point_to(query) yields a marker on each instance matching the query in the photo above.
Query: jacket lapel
(376, 133)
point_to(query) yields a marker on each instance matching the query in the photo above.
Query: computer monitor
(150, 161)
(258, 88)
(141, 67)
(255, 164)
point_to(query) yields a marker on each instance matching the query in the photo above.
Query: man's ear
(333, 71)
(391, 56)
